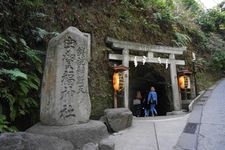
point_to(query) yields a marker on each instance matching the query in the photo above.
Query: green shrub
(4, 125)
(181, 39)
(212, 20)
(218, 60)
(19, 82)
(163, 11)
(21, 23)
(192, 5)
(151, 27)
(125, 17)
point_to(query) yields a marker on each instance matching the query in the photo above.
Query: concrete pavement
(202, 129)
(151, 133)
(205, 129)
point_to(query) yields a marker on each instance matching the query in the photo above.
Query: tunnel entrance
(142, 78)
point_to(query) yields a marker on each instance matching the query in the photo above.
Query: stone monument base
(78, 134)
(117, 119)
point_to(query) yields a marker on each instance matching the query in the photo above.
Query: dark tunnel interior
(141, 78)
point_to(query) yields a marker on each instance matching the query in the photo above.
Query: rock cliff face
(114, 19)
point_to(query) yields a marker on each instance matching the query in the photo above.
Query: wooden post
(195, 82)
(173, 75)
(126, 77)
(115, 99)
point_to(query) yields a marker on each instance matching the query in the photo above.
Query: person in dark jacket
(146, 105)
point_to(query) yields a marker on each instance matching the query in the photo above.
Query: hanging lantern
(118, 77)
(184, 82)
(184, 79)
(118, 81)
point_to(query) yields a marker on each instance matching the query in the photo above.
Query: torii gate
(126, 46)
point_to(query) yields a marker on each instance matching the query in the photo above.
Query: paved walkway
(206, 124)
(158, 133)
(202, 129)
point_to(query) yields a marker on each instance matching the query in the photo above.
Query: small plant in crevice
(181, 39)
(4, 125)
(125, 17)
(152, 28)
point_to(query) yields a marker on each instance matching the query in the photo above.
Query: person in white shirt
(137, 104)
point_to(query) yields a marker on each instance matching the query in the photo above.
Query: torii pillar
(126, 77)
(174, 84)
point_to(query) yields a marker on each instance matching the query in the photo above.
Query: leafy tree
(212, 20)
(192, 5)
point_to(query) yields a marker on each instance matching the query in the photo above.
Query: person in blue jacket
(153, 100)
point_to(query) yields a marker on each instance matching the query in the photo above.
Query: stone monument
(65, 97)
(65, 101)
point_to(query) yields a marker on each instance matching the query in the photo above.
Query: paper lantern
(184, 82)
(118, 81)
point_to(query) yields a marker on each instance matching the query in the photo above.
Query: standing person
(153, 100)
(146, 105)
(137, 107)
(137, 104)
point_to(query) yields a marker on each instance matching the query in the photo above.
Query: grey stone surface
(118, 119)
(28, 141)
(90, 146)
(65, 96)
(211, 137)
(106, 144)
(150, 133)
(181, 112)
(78, 134)
(189, 143)
(174, 84)
(168, 131)
(195, 116)
(195, 100)
(207, 93)
(210, 115)
(212, 130)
